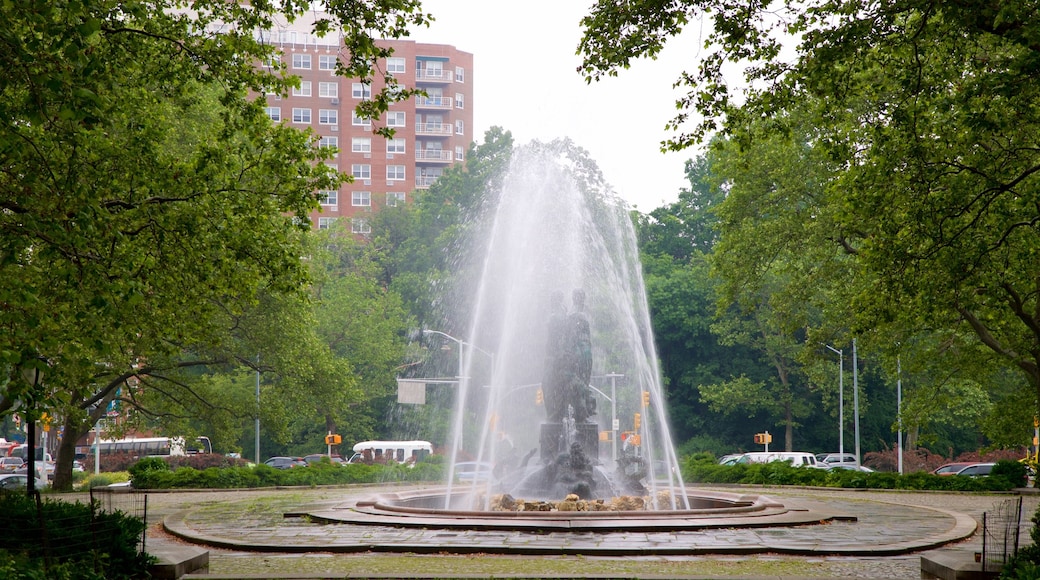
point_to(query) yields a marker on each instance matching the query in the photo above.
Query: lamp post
(841, 400)
(462, 370)
(855, 396)
(899, 409)
(613, 415)
(34, 377)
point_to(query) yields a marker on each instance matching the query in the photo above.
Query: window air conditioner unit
(334, 101)
(335, 127)
(368, 182)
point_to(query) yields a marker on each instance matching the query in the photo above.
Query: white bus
(148, 446)
(383, 451)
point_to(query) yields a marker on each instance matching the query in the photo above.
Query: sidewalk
(890, 528)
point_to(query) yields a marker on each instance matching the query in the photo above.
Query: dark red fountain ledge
(709, 509)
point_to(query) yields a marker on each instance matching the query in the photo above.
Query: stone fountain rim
(742, 503)
(378, 510)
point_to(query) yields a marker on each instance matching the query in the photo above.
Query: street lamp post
(613, 415)
(33, 376)
(899, 409)
(841, 400)
(462, 369)
(855, 396)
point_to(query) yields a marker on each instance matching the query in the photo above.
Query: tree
(144, 196)
(928, 112)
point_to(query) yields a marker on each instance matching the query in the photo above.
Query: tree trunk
(66, 454)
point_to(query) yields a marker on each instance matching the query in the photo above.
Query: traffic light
(332, 439)
(636, 421)
(763, 438)
(538, 397)
(646, 398)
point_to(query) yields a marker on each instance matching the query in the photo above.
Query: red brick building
(431, 133)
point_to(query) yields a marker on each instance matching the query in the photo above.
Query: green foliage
(320, 473)
(782, 473)
(1012, 471)
(1025, 565)
(82, 543)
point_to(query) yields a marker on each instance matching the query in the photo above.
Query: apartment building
(432, 133)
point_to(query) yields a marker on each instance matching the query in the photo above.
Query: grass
(453, 566)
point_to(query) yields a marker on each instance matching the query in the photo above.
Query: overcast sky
(526, 82)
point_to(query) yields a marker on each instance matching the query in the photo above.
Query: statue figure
(554, 376)
(579, 363)
(568, 361)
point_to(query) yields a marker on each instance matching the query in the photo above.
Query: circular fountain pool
(425, 508)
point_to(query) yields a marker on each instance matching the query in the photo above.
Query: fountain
(559, 388)
(559, 299)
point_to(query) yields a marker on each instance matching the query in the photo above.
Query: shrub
(1013, 471)
(782, 473)
(81, 542)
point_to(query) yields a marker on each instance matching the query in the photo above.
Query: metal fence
(1000, 533)
(128, 502)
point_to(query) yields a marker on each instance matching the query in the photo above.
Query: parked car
(317, 457)
(473, 471)
(285, 462)
(18, 481)
(951, 468)
(977, 469)
(9, 464)
(843, 467)
(833, 459)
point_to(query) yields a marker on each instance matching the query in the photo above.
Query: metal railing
(441, 129)
(1000, 533)
(433, 155)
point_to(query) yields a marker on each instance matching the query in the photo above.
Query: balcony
(434, 76)
(437, 103)
(425, 181)
(435, 129)
(434, 155)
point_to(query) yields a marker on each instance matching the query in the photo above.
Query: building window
(328, 90)
(328, 116)
(394, 172)
(395, 64)
(460, 101)
(275, 113)
(360, 226)
(328, 142)
(459, 153)
(302, 61)
(361, 144)
(328, 197)
(358, 121)
(395, 119)
(361, 90)
(325, 223)
(361, 171)
(460, 74)
(459, 126)
(301, 115)
(304, 90)
(394, 198)
(395, 145)
(327, 62)
(361, 199)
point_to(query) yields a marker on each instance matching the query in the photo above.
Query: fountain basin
(708, 510)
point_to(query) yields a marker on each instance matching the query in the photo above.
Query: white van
(385, 451)
(795, 458)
